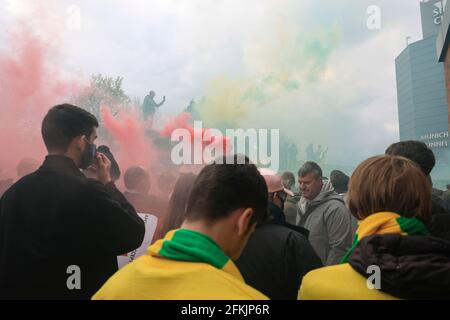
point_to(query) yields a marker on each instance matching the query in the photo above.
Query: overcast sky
(340, 91)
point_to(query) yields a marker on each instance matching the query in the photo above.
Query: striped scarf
(192, 246)
(386, 223)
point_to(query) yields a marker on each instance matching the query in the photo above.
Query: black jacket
(55, 218)
(412, 267)
(276, 258)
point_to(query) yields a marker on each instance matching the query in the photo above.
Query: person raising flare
(226, 203)
(392, 249)
(61, 232)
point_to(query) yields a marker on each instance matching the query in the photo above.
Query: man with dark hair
(416, 151)
(419, 152)
(195, 262)
(340, 181)
(60, 232)
(137, 182)
(280, 245)
(322, 211)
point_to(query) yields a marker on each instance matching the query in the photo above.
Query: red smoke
(28, 88)
(183, 120)
(133, 148)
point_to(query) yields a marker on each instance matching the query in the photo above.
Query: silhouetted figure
(137, 182)
(149, 106)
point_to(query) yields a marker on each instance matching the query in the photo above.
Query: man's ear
(79, 142)
(243, 221)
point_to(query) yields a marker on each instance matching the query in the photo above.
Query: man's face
(310, 186)
(152, 94)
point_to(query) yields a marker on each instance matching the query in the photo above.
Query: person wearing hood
(392, 256)
(323, 212)
(278, 254)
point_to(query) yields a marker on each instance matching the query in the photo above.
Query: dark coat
(276, 258)
(55, 218)
(412, 267)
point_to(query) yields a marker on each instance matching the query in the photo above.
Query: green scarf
(191, 246)
(386, 223)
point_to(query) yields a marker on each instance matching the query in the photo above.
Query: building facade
(423, 104)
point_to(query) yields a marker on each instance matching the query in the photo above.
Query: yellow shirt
(155, 278)
(338, 282)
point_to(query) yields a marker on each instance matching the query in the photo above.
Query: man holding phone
(61, 233)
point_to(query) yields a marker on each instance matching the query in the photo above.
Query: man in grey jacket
(323, 212)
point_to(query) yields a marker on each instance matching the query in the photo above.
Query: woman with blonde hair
(392, 256)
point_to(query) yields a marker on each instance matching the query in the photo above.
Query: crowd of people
(231, 232)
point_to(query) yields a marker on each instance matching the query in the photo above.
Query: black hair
(416, 151)
(65, 122)
(340, 181)
(225, 186)
(133, 176)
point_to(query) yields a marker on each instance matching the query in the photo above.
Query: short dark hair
(310, 167)
(416, 151)
(134, 176)
(222, 187)
(339, 180)
(65, 122)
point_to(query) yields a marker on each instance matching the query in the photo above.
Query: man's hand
(101, 169)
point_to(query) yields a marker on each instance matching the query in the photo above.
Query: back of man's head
(63, 123)
(222, 188)
(137, 179)
(339, 180)
(416, 151)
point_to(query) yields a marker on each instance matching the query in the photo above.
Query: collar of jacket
(191, 246)
(412, 267)
(61, 164)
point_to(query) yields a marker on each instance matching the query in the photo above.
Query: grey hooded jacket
(329, 223)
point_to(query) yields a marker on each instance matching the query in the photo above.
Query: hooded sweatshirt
(329, 223)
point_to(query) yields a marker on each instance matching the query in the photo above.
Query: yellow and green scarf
(386, 223)
(191, 246)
